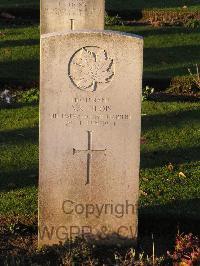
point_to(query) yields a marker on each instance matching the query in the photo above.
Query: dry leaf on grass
(181, 174)
(143, 140)
(170, 167)
(143, 193)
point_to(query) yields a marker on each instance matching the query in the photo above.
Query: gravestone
(61, 15)
(89, 136)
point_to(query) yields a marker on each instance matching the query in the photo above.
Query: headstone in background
(63, 15)
(89, 136)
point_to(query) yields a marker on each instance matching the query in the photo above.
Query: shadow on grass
(151, 31)
(19, 72)
(165, 70)
(19, 178)
(14, 43)
(18, 23)
(19, 174)
(19, 136)
(17, 106)
(158, 158)
(179, 214)
(170, 119)
(110, 4)
(165, 221)
(166, 57)
(169, 97)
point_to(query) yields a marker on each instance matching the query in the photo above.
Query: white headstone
(90, 136)
(62, 15)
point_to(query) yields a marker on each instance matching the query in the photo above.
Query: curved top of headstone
(93, 32)
(60, 15)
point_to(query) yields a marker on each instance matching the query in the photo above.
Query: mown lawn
(171, 134)
(18, 159)
(118, 4)
(168, 52)
(19, 53)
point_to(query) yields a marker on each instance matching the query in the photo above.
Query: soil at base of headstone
(18, 239)
(18, 236)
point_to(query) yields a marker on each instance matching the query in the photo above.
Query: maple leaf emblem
(90, 67)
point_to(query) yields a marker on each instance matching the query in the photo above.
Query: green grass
(118, 4)
(168, 51)
(18, 159)
(19, 53)
(172, 135)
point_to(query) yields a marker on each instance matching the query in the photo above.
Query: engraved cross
(72, 24)
(89, 153)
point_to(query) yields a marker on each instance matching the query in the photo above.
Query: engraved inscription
(91, 69)
(92, 111)
(89, 153)
(71, 8)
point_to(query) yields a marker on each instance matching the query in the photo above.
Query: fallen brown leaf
(170, 167)
(143, 193)
(181, 174)
(143, 140)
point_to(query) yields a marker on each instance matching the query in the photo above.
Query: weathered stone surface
(62, 15)
(89, 136)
